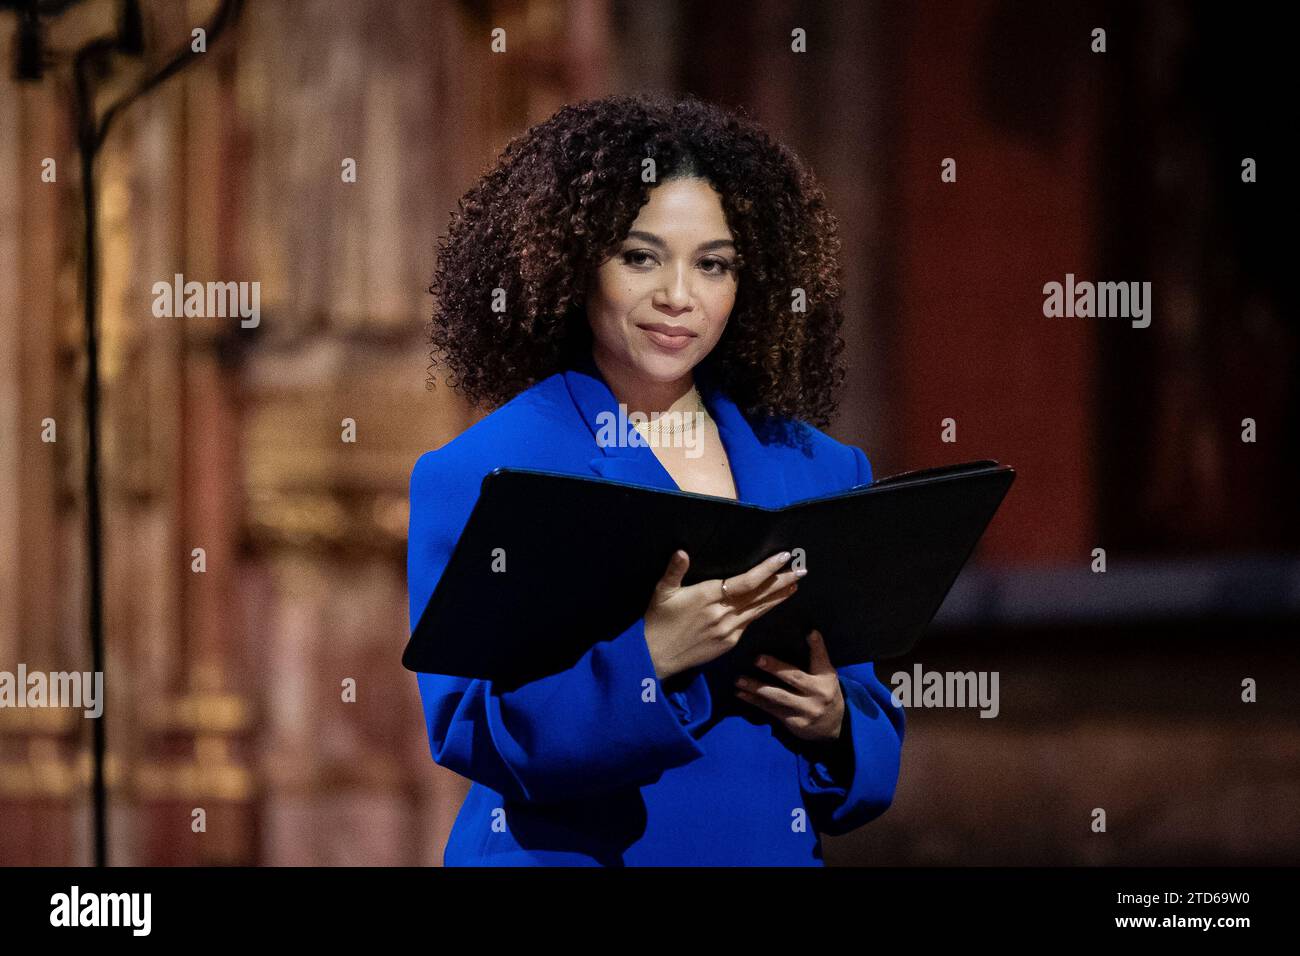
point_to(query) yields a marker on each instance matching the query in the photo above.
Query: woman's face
(659, 304)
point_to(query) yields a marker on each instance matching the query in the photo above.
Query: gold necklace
(657, 422)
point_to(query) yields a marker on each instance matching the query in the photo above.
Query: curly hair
(565, 193)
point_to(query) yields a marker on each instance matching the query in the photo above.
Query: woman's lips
(673, 343)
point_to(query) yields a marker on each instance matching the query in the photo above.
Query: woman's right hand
(689, 626)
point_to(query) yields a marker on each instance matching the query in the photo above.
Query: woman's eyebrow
(654, 240)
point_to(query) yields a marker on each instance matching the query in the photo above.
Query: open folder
(549, 564)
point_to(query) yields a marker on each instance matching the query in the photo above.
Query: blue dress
(584, 768)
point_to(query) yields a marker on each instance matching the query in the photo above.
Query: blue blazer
(583, 767)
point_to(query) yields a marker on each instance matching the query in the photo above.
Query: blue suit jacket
(583, 767)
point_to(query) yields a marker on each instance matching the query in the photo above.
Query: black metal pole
(90, 135)
(87, 143)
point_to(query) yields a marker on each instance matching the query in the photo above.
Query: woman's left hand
(812, 705)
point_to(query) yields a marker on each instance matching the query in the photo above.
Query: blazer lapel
(758, 477)
(758, 473)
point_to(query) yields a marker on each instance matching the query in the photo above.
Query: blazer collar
(757, 473)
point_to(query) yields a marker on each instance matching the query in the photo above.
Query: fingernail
(800, 572)
(760, 661)
(784, 555)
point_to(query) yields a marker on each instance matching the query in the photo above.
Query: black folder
(549, 564)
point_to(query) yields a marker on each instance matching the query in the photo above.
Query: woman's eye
(711, 266)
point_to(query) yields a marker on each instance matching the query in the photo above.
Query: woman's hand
(812, 705)
(689, 626)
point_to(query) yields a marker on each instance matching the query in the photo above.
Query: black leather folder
(549, 564)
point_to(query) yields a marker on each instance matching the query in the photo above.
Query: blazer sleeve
(603, 724)
(852, 781)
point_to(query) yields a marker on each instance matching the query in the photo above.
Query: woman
(672, 259)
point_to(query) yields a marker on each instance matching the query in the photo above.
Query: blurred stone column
(44, 768)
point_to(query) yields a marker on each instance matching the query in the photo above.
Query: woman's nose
(676, 292)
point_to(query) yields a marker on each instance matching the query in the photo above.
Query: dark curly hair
(564, 194)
